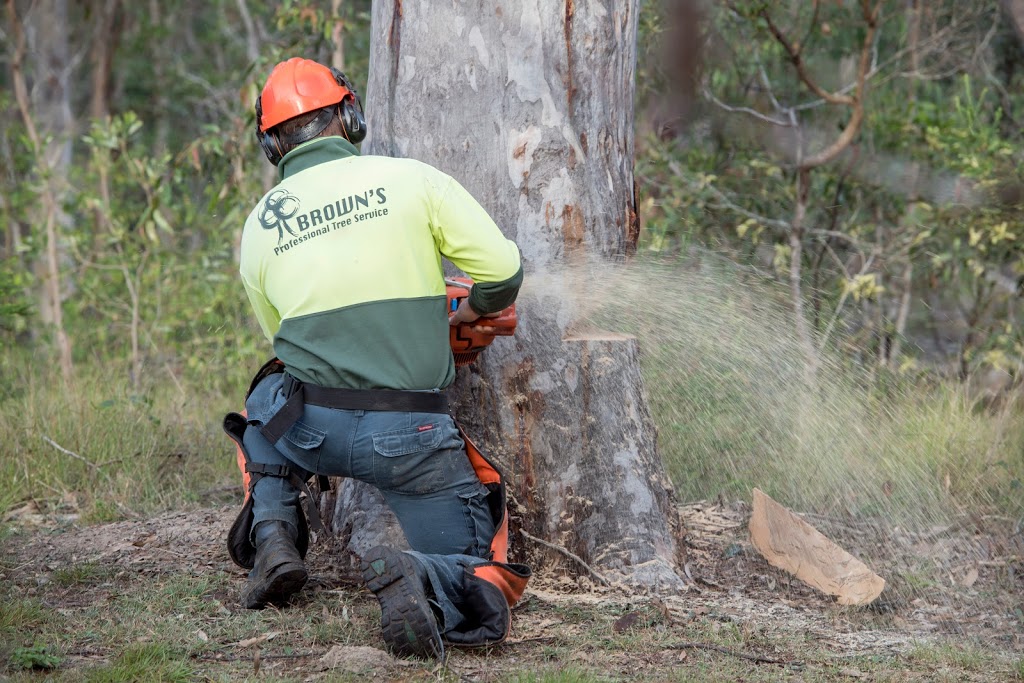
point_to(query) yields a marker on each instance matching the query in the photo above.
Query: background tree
(41, 48)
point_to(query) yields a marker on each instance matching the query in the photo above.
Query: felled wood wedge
(791, 544)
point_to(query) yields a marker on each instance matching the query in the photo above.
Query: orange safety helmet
(299, 86)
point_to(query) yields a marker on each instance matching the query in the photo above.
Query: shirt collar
(314, 152)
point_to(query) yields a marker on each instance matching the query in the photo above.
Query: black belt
(300, 394)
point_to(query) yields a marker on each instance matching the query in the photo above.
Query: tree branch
(757, 659)
(801, 68)
(856, 101)
(20, 90)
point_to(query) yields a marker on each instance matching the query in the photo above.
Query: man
(342, 264)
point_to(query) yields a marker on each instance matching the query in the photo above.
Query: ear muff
(268, 141)
(350, 109)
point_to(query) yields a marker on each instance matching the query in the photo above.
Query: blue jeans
(418, 462)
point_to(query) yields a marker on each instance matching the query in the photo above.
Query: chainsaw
(466, 342)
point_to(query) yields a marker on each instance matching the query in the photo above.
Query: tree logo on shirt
(278, 207)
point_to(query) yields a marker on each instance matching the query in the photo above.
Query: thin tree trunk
(160, 103)
(796, 242)
(252, 40)
(337, 35)
(104, 42)
(103, 46)
(52, 102)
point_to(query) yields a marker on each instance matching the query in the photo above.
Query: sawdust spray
(887, 472)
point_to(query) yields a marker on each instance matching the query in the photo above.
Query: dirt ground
(953, 609)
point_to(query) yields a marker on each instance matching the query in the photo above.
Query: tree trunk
(41, 49)
(104, 42)
(530, 106)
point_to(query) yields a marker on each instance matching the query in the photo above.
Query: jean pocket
(409, 440)
(305, 437)
(404, 459)
(479, 522)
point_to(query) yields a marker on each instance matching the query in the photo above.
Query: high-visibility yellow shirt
(342, 264)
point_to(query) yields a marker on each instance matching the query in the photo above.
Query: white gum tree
(529, 104)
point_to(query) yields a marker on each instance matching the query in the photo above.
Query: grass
(169, 627)
(99, 450)
(734, 411)
(728, 387)
(920, 454)
(144, 662)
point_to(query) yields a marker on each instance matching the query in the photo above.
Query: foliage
(35, 657)
(14, 306)
(910, 236)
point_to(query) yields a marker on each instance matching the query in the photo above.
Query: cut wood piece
(791, 544)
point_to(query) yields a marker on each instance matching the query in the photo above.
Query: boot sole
(285, 583)
(406, 620)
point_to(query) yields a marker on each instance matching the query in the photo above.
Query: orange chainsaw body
(466, 342)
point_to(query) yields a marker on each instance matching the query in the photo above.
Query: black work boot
(279, 572)
(406, 620)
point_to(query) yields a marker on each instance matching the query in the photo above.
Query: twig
(572, 556)
(726, 203)
(535, 639)
(174, 377)
(219, 656)
(67, 452)
(757, 659)
(745, 110)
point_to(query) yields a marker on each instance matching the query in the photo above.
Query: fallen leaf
(257, 640)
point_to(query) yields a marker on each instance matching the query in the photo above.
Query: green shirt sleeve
(467, 236)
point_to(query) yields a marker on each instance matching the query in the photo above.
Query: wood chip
(971, 578)
(793, 545)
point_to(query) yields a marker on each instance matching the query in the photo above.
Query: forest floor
(156, 599)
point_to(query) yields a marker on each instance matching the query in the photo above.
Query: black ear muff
(269, 143)
(350, 110)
